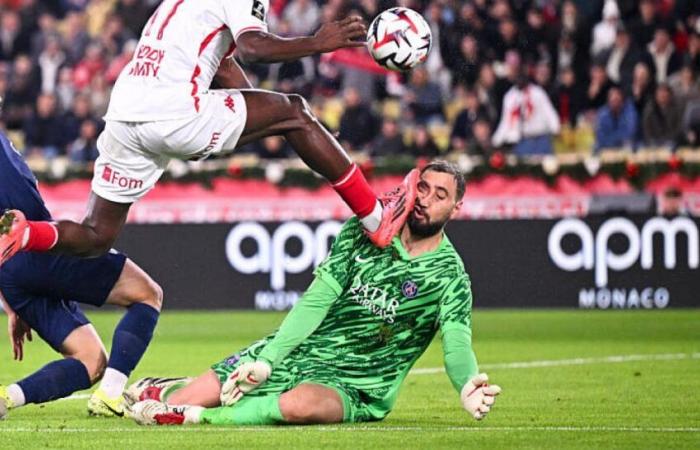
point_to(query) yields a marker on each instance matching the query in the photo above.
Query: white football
(399, 39)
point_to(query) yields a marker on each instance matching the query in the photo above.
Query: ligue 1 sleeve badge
(409, 289)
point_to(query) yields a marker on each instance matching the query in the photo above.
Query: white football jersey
(178, 55)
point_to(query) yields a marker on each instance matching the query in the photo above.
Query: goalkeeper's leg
(305, 404)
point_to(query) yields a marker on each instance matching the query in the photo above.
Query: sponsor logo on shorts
(213, 141)
(114, 177)
(230, 103)
(409, 289)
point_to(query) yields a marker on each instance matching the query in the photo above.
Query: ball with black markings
(399, 39)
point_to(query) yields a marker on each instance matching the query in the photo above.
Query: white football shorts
(134, 155)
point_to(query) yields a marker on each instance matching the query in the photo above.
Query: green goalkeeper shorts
(293, 372)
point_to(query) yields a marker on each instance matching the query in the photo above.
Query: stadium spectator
(598, 87)
(662, 118)
(642, 88)
(480, 144)
(84, 149)
(644, 26)
(685, 85)
(423, 145)
(48, 29)
(569, 100)
(81, 110)
(528, 119)
(462, 130)
(92, 64)
(75, 37)
(575, 40)
(358, 125)
(605, 31)
(50, 61)
(423, 97)
(467, 63)
(670, 203)
(13, 40)
(389, 142)
(665, 59)
(303, 16)
(21, 93)
(273, 147)
(617, 122)
(621, 58)
(65, 89)
(44, 130)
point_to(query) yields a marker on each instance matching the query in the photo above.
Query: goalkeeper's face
(435, 205)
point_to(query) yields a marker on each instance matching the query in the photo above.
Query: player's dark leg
(93, 237)
(271, 113)
(83, 364)
(143, 298)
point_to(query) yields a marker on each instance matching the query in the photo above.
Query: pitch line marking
(381, 429)
(534, 364)
(570, 362)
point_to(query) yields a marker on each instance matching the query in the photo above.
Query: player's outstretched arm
(263, 47)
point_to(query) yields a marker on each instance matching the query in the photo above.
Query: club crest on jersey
(258, 10)
(231, 360)
(409, 289)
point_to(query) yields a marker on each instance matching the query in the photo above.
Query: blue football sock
(131, 337)
(57, 379)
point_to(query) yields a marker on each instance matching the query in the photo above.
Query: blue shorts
(44, 289)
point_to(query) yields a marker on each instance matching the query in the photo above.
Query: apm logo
(595, 253)
(271, 256)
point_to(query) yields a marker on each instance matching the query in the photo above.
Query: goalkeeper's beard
(425, 228)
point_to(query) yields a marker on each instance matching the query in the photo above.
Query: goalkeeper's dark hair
(442, 166)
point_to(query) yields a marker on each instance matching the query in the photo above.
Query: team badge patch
(233, 359)
(409, 289)
(258, 10)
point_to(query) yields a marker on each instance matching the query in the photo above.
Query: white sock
(113, 383)
(372, 220)
(193, 414)
(16, 395)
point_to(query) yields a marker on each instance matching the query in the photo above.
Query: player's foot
(100, 405)
(13, 226)
(153, 412)
(6, 402)
(397, 205)
(153, 388)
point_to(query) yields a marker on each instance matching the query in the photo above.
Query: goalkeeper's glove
(478, 396)
(244, 379)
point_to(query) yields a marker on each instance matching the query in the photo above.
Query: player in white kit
(162, 108)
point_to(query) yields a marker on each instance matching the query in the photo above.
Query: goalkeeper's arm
(301, 321)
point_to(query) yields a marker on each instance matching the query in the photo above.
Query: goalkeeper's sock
(55, 380)
(131, 338)
(248, 411)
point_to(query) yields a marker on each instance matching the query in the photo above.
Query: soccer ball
(399, 39)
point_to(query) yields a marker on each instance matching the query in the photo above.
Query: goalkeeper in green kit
(343, 351)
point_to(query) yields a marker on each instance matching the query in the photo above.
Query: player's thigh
(205, 390)
(135, 286)
(268, 114)
(85, 345)
(310, 403)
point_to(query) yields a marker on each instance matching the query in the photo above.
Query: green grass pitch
(571, 379)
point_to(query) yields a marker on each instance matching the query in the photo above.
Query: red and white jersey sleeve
(178, 54)
(246, 15)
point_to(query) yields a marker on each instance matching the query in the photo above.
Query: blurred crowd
(521, 76)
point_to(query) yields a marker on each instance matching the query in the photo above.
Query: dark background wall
(509, 262)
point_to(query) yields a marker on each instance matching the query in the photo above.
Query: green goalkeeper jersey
(385, 311)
